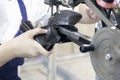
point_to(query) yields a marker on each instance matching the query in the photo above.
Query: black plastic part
(64, 38)
(48, 40)
(73, 35)
(25, 26)
(86, 48)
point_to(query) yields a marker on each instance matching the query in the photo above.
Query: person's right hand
(25, 46)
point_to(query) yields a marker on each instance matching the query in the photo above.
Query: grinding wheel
(106, 56)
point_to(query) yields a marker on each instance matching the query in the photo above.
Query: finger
(51, 51)
(41, 49)
(37, 31)
(92, 14)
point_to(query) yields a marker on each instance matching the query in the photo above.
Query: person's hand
(25, 46)
(88, 15)
(92, 14)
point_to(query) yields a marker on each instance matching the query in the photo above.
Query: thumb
(37, 31)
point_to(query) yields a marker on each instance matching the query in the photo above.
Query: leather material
(65, 17)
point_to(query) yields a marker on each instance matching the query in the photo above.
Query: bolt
(108, 57)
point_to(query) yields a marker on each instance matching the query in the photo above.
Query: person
(88, 15)
(12, 50)
(100, 24)
(29, 47)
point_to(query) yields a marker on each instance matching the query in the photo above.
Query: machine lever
(86, 48)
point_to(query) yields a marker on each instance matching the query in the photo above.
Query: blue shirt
(9, 71)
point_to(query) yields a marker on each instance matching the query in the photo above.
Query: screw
(108, 57)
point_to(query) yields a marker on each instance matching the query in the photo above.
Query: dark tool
(46, 40)
(87, 47)
(74, 36)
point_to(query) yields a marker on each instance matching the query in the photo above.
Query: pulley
(106, 56)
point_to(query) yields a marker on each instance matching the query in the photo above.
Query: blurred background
(66, 62)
